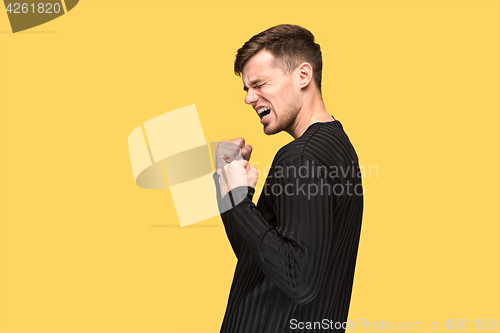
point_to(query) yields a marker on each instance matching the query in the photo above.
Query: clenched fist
(230, 150)
(232, 165)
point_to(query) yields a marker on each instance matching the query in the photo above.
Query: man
(297, 247)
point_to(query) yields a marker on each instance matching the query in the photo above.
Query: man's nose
(251, 96)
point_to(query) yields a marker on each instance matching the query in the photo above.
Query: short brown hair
(289, 44)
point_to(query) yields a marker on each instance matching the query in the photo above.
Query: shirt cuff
(234, 197)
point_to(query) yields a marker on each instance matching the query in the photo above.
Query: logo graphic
(172, 148)
(28, 14)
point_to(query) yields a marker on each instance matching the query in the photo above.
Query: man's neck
(313, 111)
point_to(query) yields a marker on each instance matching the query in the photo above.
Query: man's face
(272, 94)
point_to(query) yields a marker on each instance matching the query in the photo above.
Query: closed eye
(254, 85)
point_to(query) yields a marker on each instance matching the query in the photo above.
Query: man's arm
(232, 234)
(228, 151)
(296, 254)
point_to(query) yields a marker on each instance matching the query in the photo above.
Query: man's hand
(231, 161)
(235, 174)
(230, 150)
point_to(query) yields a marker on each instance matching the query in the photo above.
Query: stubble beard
(286, 119)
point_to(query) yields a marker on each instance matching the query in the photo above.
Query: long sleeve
(294, 253)
(239, 194)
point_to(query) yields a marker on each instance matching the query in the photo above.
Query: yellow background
(83, 249)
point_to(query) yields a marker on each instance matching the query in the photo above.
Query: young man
(297, 247)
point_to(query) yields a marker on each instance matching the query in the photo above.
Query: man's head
(281, 70)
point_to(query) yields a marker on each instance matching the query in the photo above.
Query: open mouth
(263, 112)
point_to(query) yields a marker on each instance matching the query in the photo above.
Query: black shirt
(297, 247)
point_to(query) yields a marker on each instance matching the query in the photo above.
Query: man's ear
(305, 72)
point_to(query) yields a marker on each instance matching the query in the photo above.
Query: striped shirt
(297, 247)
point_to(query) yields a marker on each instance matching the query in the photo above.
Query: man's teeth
(259, 111)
